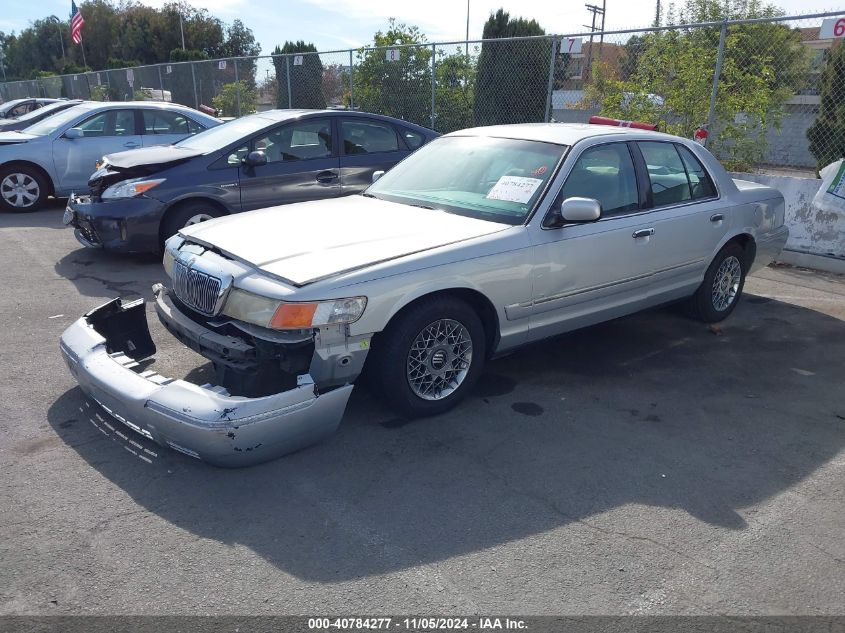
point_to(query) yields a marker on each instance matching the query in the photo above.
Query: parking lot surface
(647, 465)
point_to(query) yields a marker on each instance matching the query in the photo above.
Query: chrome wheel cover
(726, 283)
(20, 190)
(199, 217)
(439, 359)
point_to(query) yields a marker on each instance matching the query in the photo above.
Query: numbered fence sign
(832, 27)
(571, 46)
(169, 69)
(297, 60)
(392, 54)
(221, 65)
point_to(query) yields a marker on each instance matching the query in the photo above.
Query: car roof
(560, 133)
(289, 114)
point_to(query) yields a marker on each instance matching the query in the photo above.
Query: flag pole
(82, 46)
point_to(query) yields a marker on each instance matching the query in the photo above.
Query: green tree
(511, 85)
(455, 75)
(827, 134)
(764, 65)
(226, 103)
(399, 87)
(306, 79)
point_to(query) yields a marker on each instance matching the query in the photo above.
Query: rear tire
(429, 358)
(22, 188)
(722, 287)
(186, 214)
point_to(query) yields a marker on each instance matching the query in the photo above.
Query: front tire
(722, 287)
(187, 214)
(430, 357)
(22, 189)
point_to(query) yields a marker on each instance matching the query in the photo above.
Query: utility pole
(657, 14)
(181, 29)
(596, 11)
(467, 40)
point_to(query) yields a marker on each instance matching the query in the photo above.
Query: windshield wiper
(370, 195)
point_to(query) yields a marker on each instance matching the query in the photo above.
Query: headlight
(284, 315)
(171, 246)
(131, 188)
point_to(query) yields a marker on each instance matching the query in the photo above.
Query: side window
(19, 110)
(367, 137)
(234, 159)
(110, 123)
(297, 141)
(412, 139)
(605, 173)
(164, 122)
(701, 186)
(193, 126)
(669, 184)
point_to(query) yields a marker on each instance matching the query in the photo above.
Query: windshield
(495, 179)
(43, 111)
(221, 136)
(52, 122)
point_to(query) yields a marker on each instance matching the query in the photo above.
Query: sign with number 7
(570, 46)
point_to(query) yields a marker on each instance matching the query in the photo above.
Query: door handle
(131, 144)
(326, 176)
(717, 217)
(643, 233)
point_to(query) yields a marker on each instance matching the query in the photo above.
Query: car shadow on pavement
(96, 273)
(652, 409)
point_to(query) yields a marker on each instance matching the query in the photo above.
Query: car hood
(306, 242)
(11, 138)
(145, 157)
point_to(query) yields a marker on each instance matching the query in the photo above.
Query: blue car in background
(140, 198)
(57, 155)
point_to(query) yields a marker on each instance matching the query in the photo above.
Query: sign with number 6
(832, 27)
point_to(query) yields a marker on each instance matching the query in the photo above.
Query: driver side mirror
(580, 210)
(255, 159)
(377, 175)
(74, 132)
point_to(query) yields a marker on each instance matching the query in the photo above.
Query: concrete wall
(811, 230)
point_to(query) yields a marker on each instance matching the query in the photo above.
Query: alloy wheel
(439, 359)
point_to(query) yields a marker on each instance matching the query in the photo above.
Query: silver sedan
(57, 155)
(480, 242)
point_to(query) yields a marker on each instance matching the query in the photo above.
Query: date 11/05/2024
(417, 623)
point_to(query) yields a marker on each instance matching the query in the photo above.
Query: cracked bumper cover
(102, 348)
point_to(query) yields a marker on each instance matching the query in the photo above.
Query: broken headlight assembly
(130, 188)
(288, 315)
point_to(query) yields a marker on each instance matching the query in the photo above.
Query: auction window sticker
(514, 189)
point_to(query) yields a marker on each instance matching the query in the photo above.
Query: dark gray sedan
(141, 197)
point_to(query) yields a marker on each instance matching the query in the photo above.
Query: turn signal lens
(292, 316)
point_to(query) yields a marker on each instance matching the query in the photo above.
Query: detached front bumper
(126, 224)
(102, 349)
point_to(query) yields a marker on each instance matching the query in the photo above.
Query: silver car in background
(480, 242)
(57, 155)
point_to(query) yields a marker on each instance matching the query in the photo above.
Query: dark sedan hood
(160, 156)
(137, 163)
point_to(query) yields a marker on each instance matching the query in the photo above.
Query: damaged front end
(103, 350)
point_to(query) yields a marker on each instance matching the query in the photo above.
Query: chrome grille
(196, 289)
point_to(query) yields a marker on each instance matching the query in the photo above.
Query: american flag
(76, 23)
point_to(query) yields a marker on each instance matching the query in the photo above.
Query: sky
(339, 24)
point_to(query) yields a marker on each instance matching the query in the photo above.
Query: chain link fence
(770, 92)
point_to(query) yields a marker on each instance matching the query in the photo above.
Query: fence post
(351, 84)
(160, 81)
(194, 79)
(711, 113)
(433, 82)
(287, 76)
(551, 85)
(237, 88)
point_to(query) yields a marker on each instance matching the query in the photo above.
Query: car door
(367, 145)
(302, 164)
(105, 132)
(163, 127)
(590, 272)
(688, 218)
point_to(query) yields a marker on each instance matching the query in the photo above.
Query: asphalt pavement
(650, 465)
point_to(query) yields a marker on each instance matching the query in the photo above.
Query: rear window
(669, 184)
(701, 186)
